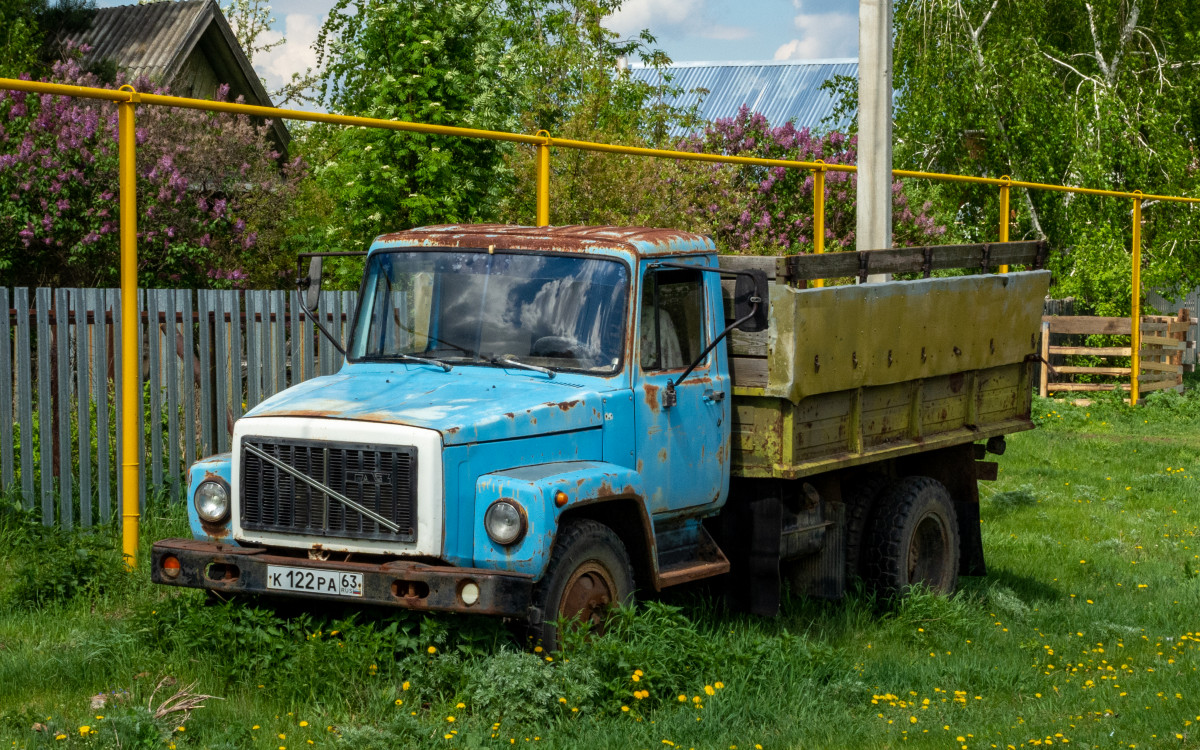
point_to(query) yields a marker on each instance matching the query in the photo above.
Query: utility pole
(874, 229)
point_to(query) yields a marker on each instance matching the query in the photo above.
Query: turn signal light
(560, 498)
(170, 566)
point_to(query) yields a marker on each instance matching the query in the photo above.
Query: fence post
(1135, 312)
(819, 215)
(1004, 213)
(130, 367)
(543, 180)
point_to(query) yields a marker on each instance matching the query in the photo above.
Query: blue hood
(466, 405)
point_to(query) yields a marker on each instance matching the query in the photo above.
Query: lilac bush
(209, 188)
(768, 209)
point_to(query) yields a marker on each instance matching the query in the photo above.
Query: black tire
(589, 571)
(914, 538)
(860, 497)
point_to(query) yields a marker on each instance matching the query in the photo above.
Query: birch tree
(1097, 93)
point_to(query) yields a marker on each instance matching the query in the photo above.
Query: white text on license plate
(314, 581)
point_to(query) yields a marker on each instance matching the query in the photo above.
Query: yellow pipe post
(1004, 212)
(543, 180)
(130, 398)
(1135, 313)
(819, 214)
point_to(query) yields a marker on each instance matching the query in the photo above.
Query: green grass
(1085, 630)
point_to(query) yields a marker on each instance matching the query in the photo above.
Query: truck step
(709, 561)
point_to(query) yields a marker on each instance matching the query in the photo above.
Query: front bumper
(409, 585)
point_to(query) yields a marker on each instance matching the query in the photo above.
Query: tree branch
(1098, 55)
(1127, 32)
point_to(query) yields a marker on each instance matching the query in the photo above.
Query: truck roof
(641, 241)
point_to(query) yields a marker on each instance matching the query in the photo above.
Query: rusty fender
(409, 585)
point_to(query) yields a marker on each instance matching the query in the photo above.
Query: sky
(687, 30)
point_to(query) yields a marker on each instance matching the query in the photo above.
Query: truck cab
(501, 385)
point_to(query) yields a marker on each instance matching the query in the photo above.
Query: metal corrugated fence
(207, 357)
(780, 90)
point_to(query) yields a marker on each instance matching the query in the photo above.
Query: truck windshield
(476, 307)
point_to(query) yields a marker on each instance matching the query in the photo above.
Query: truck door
(682, 450)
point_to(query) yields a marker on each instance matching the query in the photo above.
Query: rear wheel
(914, 538)
(860, 498)
(589, 572)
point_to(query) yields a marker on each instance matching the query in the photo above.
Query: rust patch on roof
(638, 240)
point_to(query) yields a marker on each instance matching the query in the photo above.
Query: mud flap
(970, 561)
(750, 535)
(763, 578)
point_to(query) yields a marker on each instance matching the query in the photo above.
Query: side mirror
(311, 286)
(751, 288)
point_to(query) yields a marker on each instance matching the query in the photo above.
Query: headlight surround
(504, 522)
(212, 501)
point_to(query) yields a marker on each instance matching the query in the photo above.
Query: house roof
(156, 39)
(780, 90)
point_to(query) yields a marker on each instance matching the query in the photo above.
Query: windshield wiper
(511, 361)
(425, 361)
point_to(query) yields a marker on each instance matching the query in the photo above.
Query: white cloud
(296, 55)
(821, 35)
(664, 17)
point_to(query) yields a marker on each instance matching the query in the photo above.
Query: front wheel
(589, 571)
(914, 538)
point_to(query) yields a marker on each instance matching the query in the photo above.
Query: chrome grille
(382, 481)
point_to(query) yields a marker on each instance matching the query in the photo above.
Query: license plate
(313, 581)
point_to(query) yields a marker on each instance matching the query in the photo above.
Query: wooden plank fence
(1189, 302)
(207, 357)
(1163, 344)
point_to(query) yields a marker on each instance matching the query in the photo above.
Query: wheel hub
(928, 552)
(587, 595)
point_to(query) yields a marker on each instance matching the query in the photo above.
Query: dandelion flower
(683, 699)
(625, 709)
(719, 686)
(708, 690)
(450, 719)
(460, 705)
(432, 649)
(304, 723)
(83, 730)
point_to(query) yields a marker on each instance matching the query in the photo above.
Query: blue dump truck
(536, 422)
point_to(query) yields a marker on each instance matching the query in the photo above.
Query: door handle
(714, 396)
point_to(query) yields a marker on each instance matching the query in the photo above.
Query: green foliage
(62, 566)
(20, 36)
(420, 61)
(1060, 92)
(522, 689)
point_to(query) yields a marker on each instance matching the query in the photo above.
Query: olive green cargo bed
(847, 375)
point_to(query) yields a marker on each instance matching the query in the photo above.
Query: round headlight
(212, 502)
(505, 522)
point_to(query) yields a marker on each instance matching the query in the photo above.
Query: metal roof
(156, 39)
(640, 240)
(780, 90)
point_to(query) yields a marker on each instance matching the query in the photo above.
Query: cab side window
(672, 318)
